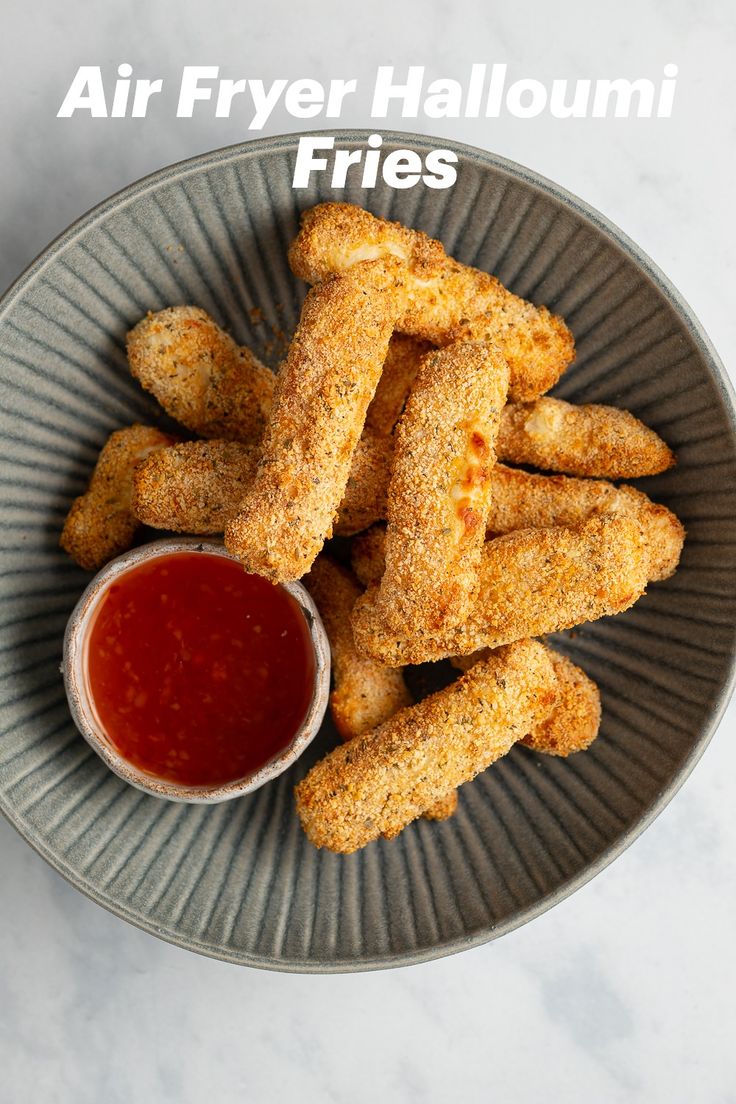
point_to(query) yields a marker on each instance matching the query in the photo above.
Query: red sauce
(199, 673)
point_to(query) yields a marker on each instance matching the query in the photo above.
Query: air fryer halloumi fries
(409, 376)
(324, 388)
(439, 490)
(441, 293)
(102, 522)
(201, 377)
(532, 582)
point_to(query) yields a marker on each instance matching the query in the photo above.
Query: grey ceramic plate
(239, 881)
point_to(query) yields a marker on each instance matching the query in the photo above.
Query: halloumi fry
(574, 722)
(199, 486)
(442, 293)
(439, 493)
(532, 582)
(201, 377)
(397, 376)
(534, 369)
(444, 808)
(196, 487)
(101, 523)
(581, 440)
(572, 725)
(378, 783)
(522, 500)
(324, 388)
(575, 718)
(366, 694)
(364, 499)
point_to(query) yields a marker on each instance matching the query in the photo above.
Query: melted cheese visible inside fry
(367, 252)
(468, 492)
(618, 503)
(545, 420)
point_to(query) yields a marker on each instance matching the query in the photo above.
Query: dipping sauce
(198, 673)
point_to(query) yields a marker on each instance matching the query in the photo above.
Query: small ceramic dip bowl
(85, 715)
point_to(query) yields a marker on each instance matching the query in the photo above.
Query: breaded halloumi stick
(442, 293)
(532, 582)
(365, 491)
(439, 492)
(366, 694)
(201, 377)
(195, 487)
(397, 375)
(522, 500)
(581, 440)
(377, 784)
(199, 486)
(324, 388)
(571, 726)
(101, 523)
(575, 718)
(574, 721)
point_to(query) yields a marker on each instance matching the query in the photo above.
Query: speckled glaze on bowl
(239, 880)
(83, 713)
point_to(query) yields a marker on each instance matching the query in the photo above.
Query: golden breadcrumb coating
(439, 492)
(525, 500)
(537, 344)
(443, 809)
(324, 388)
(532, 582)
(365, 492)
(199, 486)
(521, 500)
(378, 783)
(581, 440)
(101, 523)
(199, 375)
(195, 487)
(575, 719)
(442, 293)
(465, 662)
(397, 375)
(366, 694)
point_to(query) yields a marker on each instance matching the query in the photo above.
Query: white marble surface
(625, 991)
